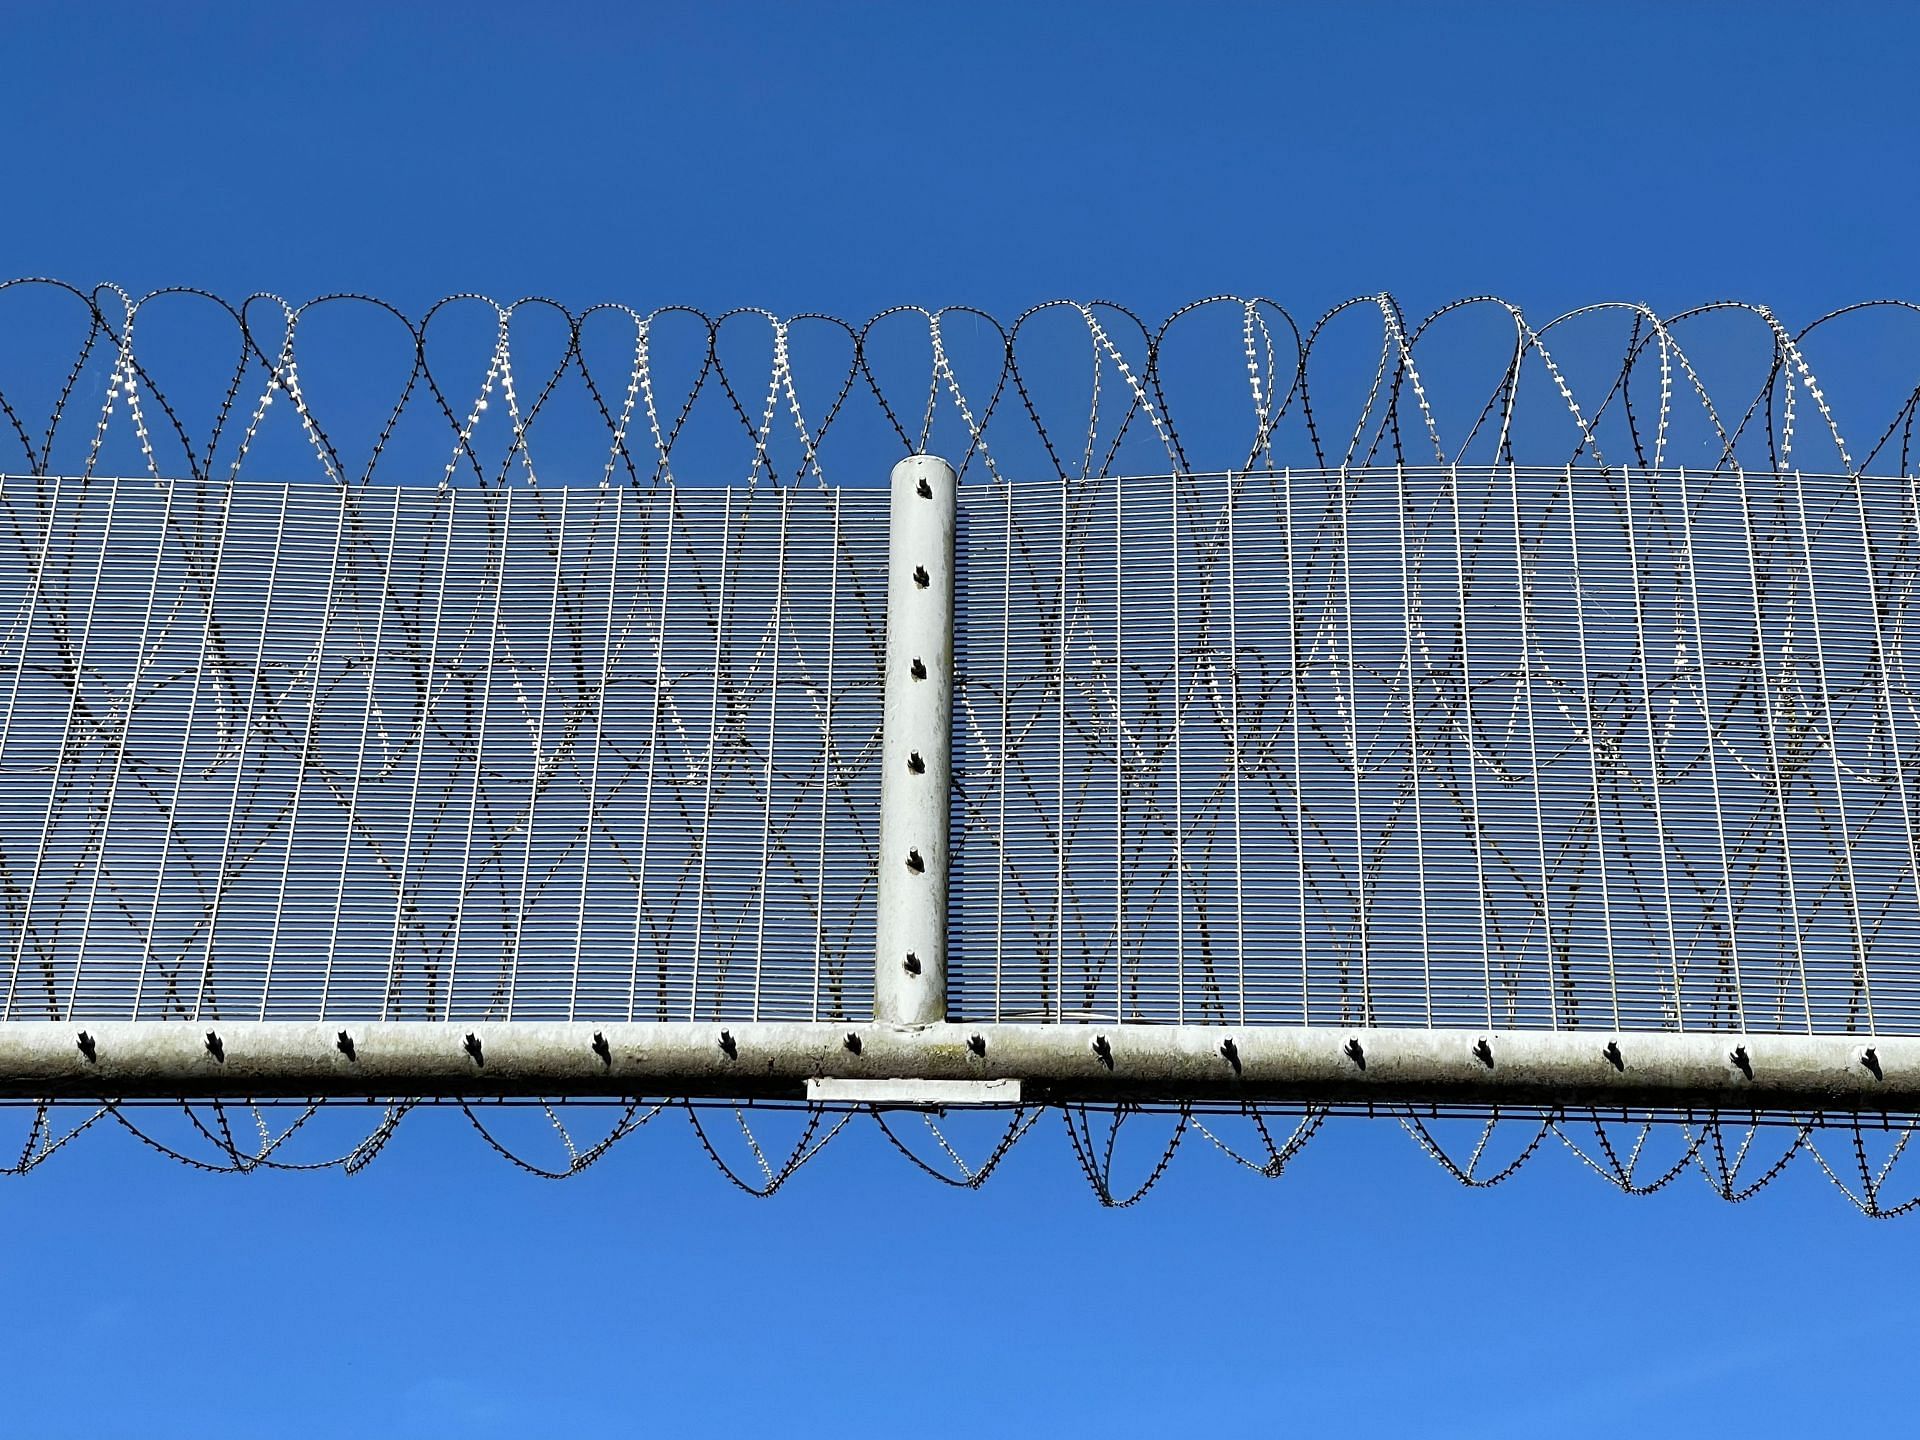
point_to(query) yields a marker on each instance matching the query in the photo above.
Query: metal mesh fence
(1449, 746)
(1423, 747)
(284, 752)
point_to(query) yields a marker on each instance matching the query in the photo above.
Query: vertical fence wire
(1542, 817)
(1566, 747)
(299, 752)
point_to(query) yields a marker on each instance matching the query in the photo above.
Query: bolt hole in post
(916, 747)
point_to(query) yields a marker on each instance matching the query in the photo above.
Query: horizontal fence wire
(298, 751)
(1446, 746)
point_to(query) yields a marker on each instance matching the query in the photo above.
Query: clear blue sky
(845, 158)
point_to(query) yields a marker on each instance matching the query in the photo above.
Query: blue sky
(845, 158)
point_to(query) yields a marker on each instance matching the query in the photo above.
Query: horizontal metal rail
(1053, 1063)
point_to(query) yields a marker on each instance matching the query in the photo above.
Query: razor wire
(1735, 1157)
(473, 391)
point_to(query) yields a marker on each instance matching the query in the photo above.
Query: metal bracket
(914, 1094)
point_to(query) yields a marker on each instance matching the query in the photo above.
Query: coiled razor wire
(1066, 389)
(1735, 1156)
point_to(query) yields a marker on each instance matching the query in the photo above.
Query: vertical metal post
(916, 750)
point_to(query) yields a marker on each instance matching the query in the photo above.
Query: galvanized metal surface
(1053, 1063)
(916, 769)
(912, 1094)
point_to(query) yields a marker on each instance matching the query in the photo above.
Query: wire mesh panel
(309, 751)
(1573, 748)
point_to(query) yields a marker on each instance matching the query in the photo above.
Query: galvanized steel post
(916, 750)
